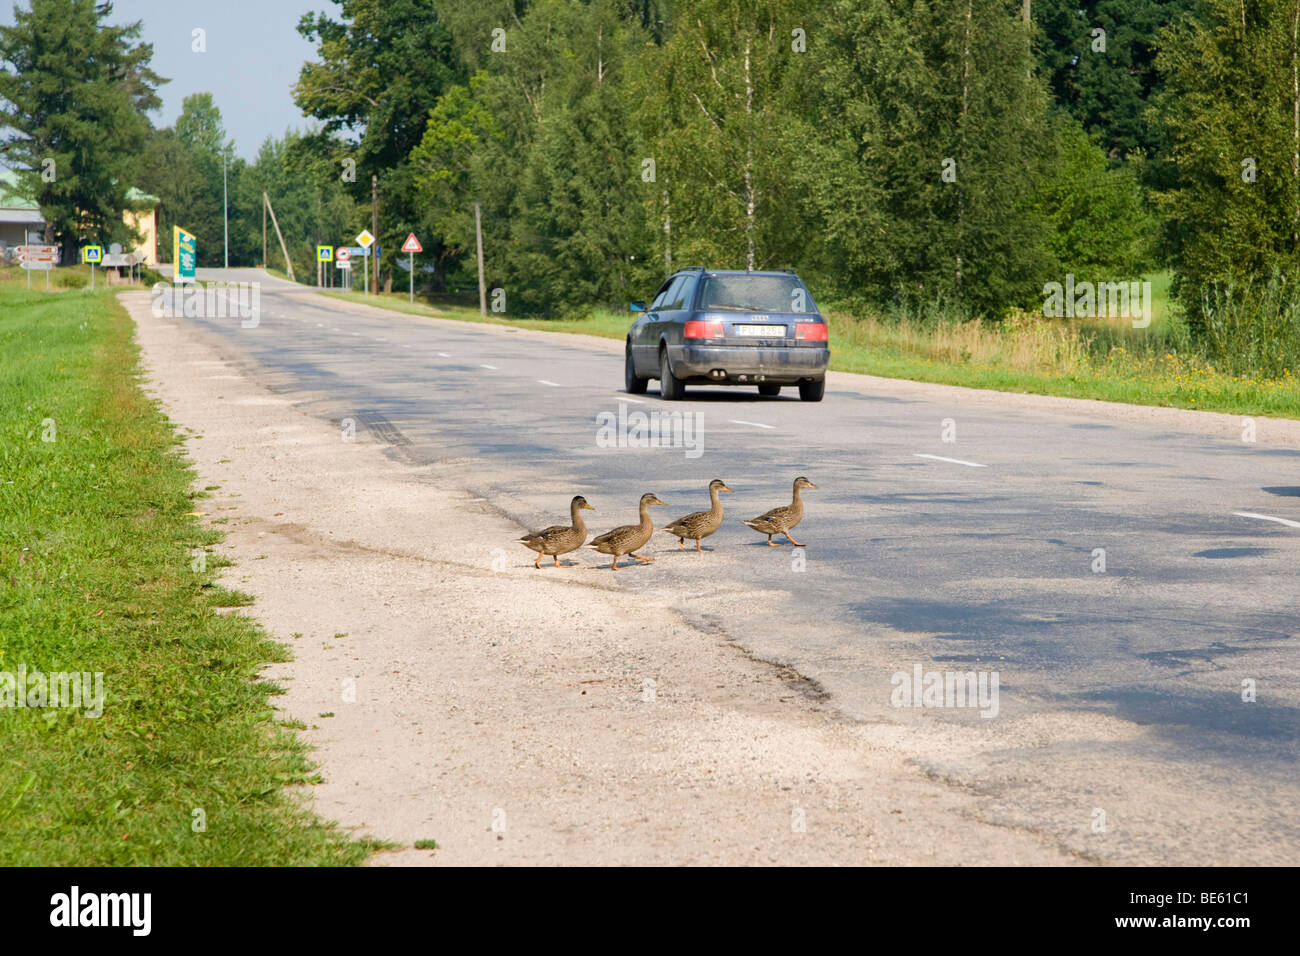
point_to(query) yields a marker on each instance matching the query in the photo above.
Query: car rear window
(755, 293)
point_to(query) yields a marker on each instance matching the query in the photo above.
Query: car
(724, 327)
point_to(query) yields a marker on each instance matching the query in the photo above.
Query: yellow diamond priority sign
(365, 239)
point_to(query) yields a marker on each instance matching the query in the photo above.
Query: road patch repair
(510, 715)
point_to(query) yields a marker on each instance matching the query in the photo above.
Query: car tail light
(700, 329)
(810, 331)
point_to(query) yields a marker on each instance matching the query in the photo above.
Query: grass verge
(106, 569)
(1098, 359)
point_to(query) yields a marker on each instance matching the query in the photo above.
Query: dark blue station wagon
(728, 328)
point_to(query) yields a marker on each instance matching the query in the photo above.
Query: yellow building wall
(146, 224)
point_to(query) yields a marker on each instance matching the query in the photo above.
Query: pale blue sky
(254, 53)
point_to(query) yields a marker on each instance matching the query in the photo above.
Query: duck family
(627, 540)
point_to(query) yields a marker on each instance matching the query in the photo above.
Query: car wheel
(769, 389)
(632, 383)
(812, 391)
(671, 387)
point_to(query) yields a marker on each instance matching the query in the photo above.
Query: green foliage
(1253, 328)
(185, 172)
(1230, 108)
(74, 91)
(382, 66)
(1105, 90)
(1101, 225)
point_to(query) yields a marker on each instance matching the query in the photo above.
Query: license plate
(760, 331)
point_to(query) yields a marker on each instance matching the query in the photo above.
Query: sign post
(184, 255)
(365, 240)
(324, 254)
(412, 245)
(37, 257)
(92, 254)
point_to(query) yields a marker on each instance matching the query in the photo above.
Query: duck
(781, 520)
(560, 539)
(626, 539)
(700, 524)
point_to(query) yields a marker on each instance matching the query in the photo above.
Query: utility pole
(374, 224)
(478, 238)
(225, 207)
(264, 231)
(288, 263)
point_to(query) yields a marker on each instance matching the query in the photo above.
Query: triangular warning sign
(412, 244)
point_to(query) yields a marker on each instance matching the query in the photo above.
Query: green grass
(188, 764)
(1098, 359)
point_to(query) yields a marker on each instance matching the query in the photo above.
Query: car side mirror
(636, 306)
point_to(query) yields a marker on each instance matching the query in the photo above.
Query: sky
(254, 53)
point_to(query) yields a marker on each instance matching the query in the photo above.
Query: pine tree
(75, 91)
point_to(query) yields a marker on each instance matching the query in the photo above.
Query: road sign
(37, 264)
(412, 244)
(343, 264)
(41, 251)
(121, 260)
(343, 254)
(324, 253)
(92, 253)
(365, 239)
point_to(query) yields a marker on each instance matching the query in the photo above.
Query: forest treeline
(899, 153)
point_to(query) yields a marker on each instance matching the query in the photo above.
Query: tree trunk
(749, 163)
(961, 132)
(1295, 137)
(668, 236)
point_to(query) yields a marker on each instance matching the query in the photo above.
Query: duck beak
(587, 507)
(726, 489)
(811, 485)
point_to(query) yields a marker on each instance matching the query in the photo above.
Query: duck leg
(771, 543)
(681, 544)
(616, 562)
(557, 559)
(641, 559)
(697, 545)
(538, 563)
(791, 540)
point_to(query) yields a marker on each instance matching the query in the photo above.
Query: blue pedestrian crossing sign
(92, 253)
(324, 253)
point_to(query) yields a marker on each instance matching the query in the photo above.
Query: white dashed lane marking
(737, 421)
(955, 461)
(1250, 514)
(492, 367)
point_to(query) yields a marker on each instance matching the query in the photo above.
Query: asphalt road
(1121, 729)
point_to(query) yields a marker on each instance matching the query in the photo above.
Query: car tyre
(671, 388)
(769, 389)
(812, 391)
(633, 384)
